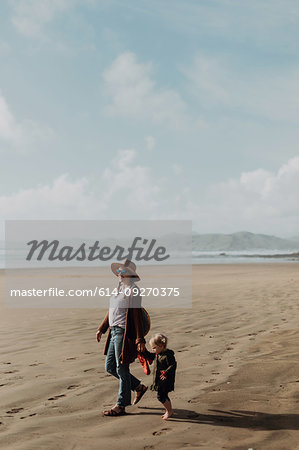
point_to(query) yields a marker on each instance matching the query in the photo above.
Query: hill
(242, 240)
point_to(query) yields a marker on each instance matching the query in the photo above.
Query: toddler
(164, 371)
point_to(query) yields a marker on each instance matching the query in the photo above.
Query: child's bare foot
(167, 415)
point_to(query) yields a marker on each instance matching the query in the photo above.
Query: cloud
(63, 199)
(260, 23)
(270, 93)
(134, 94)
(131, 186)
(123, 190)
(209, 80)
(258, 201)
(30, 16)
(150, 142)
(8, 127)
(177, 169)
(22, 135)
(4, 48)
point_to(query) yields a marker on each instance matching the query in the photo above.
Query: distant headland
(245, 241)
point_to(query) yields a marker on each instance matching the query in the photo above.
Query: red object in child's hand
(163, 375)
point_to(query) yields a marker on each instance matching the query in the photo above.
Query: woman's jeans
(127, 381)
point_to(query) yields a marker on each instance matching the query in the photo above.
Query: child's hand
(163, 375)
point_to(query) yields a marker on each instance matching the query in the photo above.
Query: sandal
(112, 413)
(139, 394)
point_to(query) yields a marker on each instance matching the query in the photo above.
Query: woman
(125, 337)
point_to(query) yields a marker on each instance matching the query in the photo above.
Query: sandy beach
(237, 383)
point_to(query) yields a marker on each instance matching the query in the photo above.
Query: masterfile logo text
(69, 263)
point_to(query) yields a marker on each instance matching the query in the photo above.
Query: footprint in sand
(35, 364)
(11, 371)
(163, 431)
(30, 415)
(14, 410)
(69, 359)
(2, 384)
(73, 386)
(88, 370)
(56, 397)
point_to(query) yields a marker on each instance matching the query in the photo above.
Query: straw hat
(128, 265)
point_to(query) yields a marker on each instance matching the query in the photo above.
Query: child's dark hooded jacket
(164, 361)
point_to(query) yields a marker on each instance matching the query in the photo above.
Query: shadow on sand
(235, 418)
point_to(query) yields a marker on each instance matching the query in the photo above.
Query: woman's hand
(141, 347)
(99, 335)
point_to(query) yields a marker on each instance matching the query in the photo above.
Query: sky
(151, 110)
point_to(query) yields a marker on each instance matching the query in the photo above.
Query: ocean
(243, 257)
(214, 257)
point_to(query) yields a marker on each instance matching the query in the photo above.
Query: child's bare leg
(169, 411)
